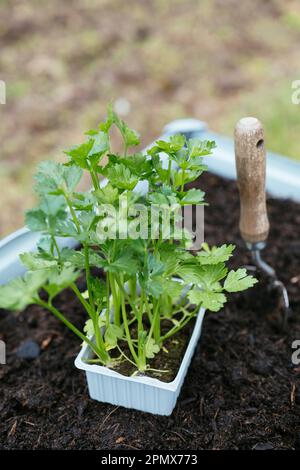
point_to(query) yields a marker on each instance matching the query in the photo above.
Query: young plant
(149, 275)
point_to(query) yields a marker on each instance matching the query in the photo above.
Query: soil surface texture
(242, 390)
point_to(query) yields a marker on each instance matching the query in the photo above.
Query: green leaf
(215, 254)
(53, 206)
(48, 216)
(107, 195)
(160, 175)
(59, 279)
(100, 145)
(138, 164)
(111, 336)
(213, 301)
(198, 148)
(98, 287)
(35, 220)
(90, 153)
(83, 201)
(170, 256)
(179, 178)
(158, 198)
(89, 326)
(49, 177)
(46, 248)
(175, 144)
(193, 196)
(130, 136)
(22, 291)
(56, 178)
(125, 263)
(79, 154)
(206, 276)
(150, 277)
(237, 281)
(154, 287)
(121, 177)
(72, 176)
(88, 223)
(67, 228)
(35, 261)
(106, 125)
(172, 288)
(64, 277)
(155, 266)
(76, 258)
(151, 348)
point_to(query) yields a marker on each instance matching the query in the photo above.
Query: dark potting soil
(242, 390)
(165, 365)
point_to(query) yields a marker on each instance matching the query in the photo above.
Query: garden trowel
(250, 156)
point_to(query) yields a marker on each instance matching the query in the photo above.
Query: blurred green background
(209, 59)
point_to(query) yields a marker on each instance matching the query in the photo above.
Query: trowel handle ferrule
(258, 246)
(250, 159)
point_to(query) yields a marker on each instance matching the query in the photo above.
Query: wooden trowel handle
(250, 159)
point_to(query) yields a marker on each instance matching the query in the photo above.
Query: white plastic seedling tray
(138, 392)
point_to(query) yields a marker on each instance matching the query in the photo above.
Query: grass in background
(212, 60)
(280, 117)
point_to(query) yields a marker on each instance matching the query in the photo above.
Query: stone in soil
(28, 349)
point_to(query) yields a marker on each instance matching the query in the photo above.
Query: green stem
(56, 246)
(81, 299)
(151, 331)
(148, 309)
(132, 288)
(126, 328)
(141, 311)
(116, 301)
(182, 185)
(184, 303)
(101, 354)
(93, 315)
(73, 214)
(175, 329)
(141, 340)
(107, 313)
(94, 179)
(180, 310)
(98, 335)
(169, 171)
(166, 305)
(156, 323)
(131, 304)
(88, 277)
